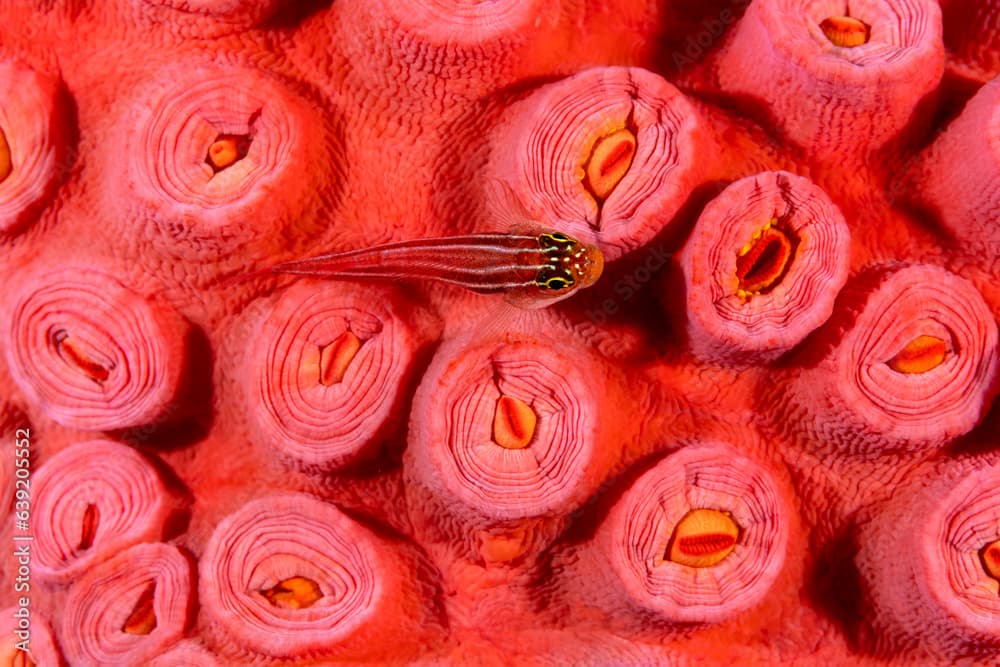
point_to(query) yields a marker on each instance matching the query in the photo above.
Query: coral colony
(531, 332)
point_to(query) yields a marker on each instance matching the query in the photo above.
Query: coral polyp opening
(764, 261)
(704, 537)
(990, 557)
(88, 531)
(142, 620)
(846, 31)
(336, 358)
(609, 161)
(503, 547)
(513, 423)
(5, 161)
(920, 355)
(21, 659)
(227, 150)
(293, 593)
(77, 357)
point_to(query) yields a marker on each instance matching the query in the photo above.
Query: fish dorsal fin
(508, 210)
(501, 323)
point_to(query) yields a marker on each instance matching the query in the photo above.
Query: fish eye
(557, 283)
(556, 242)
(555, 278)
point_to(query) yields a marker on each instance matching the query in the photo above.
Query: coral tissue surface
(766, 435)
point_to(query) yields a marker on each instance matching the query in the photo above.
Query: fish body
(533, 270)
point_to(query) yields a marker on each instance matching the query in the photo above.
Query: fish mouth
(595, 265)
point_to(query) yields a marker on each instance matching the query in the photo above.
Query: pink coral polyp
(779, 55)
(202, 209)
(551, 137)
(35, 142)
(729, 316)
(91, 352)
(101, 604)
(368, 602)
(452, 448)
(92, 500)
(299, 412)
(965, 200)
(634, 540)
(857, 399)
(940, 599)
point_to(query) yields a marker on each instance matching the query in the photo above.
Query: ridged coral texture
(636, 332)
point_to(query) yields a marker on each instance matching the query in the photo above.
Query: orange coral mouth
(990, 557)
(142, 620)
(764, 261)
(78, 357)
(91, 519)
(846, 31)
(609, 161)
(514, 423)
(336, 358)
(21, 659)
(293, 593)
(5, 161)
(704, 537)
(227, 150)
(920, 355)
